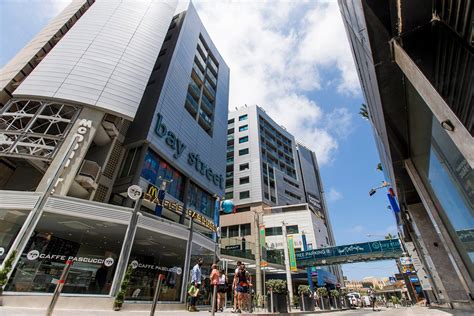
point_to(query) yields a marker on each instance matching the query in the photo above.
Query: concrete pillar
(447, 281)
(81, 127)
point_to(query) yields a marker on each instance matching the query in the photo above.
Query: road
(416, 311)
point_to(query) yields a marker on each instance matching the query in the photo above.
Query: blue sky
(293, 59)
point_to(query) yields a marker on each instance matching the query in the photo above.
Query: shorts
(242, 289)
(221, 288)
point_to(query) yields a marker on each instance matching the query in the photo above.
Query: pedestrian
(244, 244)
(243, 286)
(234, 288)
(196, 282)
(221, 290)
(373, 298)
(214, 277)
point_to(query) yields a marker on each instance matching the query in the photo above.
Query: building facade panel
(117, 31)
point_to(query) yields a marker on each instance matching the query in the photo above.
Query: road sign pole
(287, 263)
(157, 294)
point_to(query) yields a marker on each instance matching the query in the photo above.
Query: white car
(354, 299)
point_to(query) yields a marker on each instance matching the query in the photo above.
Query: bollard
(214, 300)
(157, 294)
(302, 302)
(59, 287)
(271, 301)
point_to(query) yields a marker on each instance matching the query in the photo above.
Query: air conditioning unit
(88, 175)
(111, 125)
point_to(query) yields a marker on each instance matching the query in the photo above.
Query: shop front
(93, 236)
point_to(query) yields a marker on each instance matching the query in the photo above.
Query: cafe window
(153, 254)
(245, 229)
(155, 169)
(273, 231)
(201, 201)
(292, 229)
(233, 231)
(11, 222)
(93, 246)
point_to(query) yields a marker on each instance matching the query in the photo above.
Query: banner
(263, 261)
(291, 252)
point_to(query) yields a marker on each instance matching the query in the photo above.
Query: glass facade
(155, 169)
(10, 225)
(446, 174)
(154, 254)
(200, 200)
(94, 246)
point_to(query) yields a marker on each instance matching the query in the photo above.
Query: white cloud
(334, 195)
(357, 229)
(278, 52)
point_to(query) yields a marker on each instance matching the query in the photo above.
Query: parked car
(354, 299)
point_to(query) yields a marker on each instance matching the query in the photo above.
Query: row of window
(292, 195)
(277, 231)
(236, 230)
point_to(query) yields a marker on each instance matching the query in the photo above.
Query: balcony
(212, 79)
(194, 89)
(200, 62)
(210, 89)
(212, 66)
(204, 120)
(191, 104)
(206, 105)
(198, 72)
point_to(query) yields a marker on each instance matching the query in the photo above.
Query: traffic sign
(134, 192)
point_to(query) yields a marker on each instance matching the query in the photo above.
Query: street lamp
(374, 190)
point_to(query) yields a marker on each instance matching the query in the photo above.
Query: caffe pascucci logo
(135, 264)
(2, 251)
(35, 254)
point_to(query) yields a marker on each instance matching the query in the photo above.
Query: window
(131, 162)
(230, 131)
(291, 182)
(233, 231)
(243, 128)
(155, 169)
(231, 121)
(292, 195)
(244, 180)
(243, 117)
(200, 200)
(57, 237)
(11, 222)
(273, 231)
(292, 229)
(229, 195)
(245, 229)
(244, 166)
(243, 139)
(224, 232)
(244, 151)
(244, 194)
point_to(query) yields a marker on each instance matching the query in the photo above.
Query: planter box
(308, 305)
(280, 303)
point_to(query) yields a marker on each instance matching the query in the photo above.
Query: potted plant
(119, 298)
(322, 293)
(277, 292)
(395, 301)
(305, 300)
(335, 296)
(7, 267)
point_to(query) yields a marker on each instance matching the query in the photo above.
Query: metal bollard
(157, 294)
(302, 303)
(59, 287)
(271, 301)
(214, 299)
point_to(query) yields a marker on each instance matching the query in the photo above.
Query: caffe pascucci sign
(135, 264)
(178, 147)
(35, 254)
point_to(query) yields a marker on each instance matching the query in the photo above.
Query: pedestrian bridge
(367, 251)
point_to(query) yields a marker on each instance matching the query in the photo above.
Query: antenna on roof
(245, 105)
(236, 108)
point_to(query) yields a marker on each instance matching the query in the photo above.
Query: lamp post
(374, 190)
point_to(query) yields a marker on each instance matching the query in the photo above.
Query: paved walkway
(417, 311)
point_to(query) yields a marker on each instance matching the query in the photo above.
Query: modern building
(267, 169)
(415, 65)
(111, 94)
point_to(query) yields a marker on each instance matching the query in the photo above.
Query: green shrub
(334, 293)
(322, 292)
(277, 286)
(304, 290)
(7, 267)
(119, 298)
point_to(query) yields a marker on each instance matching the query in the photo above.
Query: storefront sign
(134, 192)
(135, 264)
(405, 261)
(2, 251)
(291, 254)
(35, 254)
(84, 127)
(177, 207)
(178, 147)
(233, 247)
(262, 239)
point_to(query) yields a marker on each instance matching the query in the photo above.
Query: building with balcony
(101, 100)
(415, 65)
(271, 177)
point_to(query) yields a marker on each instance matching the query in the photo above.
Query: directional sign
(375, 250)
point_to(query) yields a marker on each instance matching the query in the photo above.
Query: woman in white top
(221, 290)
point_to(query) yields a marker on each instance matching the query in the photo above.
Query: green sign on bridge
(367, 251)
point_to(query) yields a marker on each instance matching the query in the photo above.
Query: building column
(86, 126)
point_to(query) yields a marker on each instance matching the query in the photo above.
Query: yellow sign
(291, 251)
